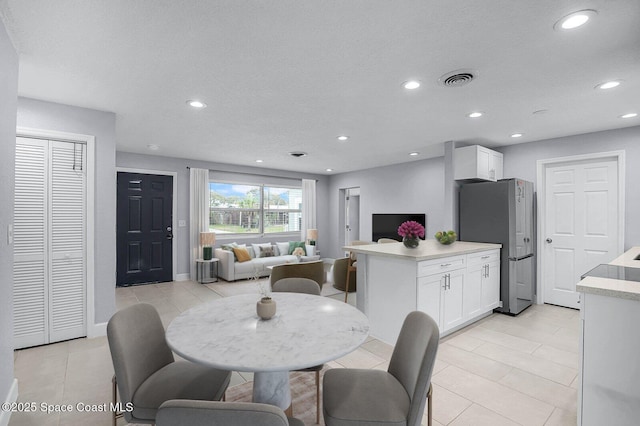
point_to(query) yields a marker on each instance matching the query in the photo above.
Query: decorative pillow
(298, 251)
(266, 252)
(294, 244)
(257, 248)
(283, 248)
(241, 254)
(230, 247)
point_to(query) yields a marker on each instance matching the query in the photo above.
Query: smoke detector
(298, 154)
(457, 78)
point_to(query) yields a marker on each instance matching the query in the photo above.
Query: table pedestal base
(272, 388)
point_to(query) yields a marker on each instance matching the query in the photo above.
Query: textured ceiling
(291, 75)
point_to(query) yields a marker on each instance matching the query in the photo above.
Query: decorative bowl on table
(446, 237)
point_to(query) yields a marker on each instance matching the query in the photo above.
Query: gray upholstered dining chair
(386, 240)
(393, 397)
(297, 285)
(352, 268)
(213, 413)
(307, 286)
(146, 373)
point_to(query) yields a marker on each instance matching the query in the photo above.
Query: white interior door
(352, 215)
(580, 224)
(50, 242)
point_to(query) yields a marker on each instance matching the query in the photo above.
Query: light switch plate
(182, 223)
(10, 234)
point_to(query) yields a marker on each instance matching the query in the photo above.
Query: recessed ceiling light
(343, 137)
(196, 104)
(329, 170)
(516, 135)
(608, 84)
(574, 20)
(474, 114)
(413, 154)
(629, 115)
(258, 161)
(411, 84)
(153, 147)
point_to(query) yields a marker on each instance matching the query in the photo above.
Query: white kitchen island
(609, 386)
(455, 284)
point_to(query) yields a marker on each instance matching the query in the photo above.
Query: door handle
(549, 240)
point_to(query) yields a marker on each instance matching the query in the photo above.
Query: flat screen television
(385, 225)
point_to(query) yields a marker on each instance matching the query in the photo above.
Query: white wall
(520, 161)
(63, 118)
(8, 102)
(179, 165)
(414, 187)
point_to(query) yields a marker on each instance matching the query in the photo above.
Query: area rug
(303, 395)
(226, 289)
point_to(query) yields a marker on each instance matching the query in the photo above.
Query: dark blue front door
(144, 228)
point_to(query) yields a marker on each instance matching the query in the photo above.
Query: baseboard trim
(12, 396)
(183, 277)
(97, 330)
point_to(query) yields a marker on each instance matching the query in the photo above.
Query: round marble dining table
(307, 330)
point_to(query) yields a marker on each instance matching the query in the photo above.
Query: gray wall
(520, 161)
(8, 103)
(63, 118)
(414, 187)
(178, 165)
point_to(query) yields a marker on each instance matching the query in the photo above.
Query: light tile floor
(500, 371)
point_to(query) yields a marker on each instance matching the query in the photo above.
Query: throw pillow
(241, 254)
(294, 244)
(257, 248)
(266, 252)
(230, 248)
(283, 248)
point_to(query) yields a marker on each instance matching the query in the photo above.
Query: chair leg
(429, 402)
(318, 397)
(114, 394)
(347, 286)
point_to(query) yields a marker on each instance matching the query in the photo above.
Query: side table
(207, 270)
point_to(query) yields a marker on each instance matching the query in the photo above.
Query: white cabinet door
(429, 289)
(452, 302)
(491, 286)
(472, 298)
(495, 169)
(477, 162)
(484, 164)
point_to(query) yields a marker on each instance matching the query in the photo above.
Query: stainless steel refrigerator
(503, 212)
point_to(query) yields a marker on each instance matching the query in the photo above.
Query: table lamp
(207, 240)
(312, 236)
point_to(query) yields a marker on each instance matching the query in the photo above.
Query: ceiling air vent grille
(298, 154)
(457, 78)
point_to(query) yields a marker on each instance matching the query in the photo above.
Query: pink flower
(411, 229)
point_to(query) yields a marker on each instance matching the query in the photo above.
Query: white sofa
(230, 270)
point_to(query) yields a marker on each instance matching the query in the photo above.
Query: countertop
(428, 249)
(611, 287)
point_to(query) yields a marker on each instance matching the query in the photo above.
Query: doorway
(351, 215)
(144, 228)
(581, 221)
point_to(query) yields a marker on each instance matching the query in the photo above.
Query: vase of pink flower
(411, 232)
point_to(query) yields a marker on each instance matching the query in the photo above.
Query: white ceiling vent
(457, 78)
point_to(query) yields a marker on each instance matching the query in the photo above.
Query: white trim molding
(11, 397)
(174, 210)
(619, 156)
(183, 277)
(90, 211)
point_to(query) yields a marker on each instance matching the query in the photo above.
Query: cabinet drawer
(483, 257)
(429, 267)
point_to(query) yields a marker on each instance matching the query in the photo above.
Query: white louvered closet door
(50, 194)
